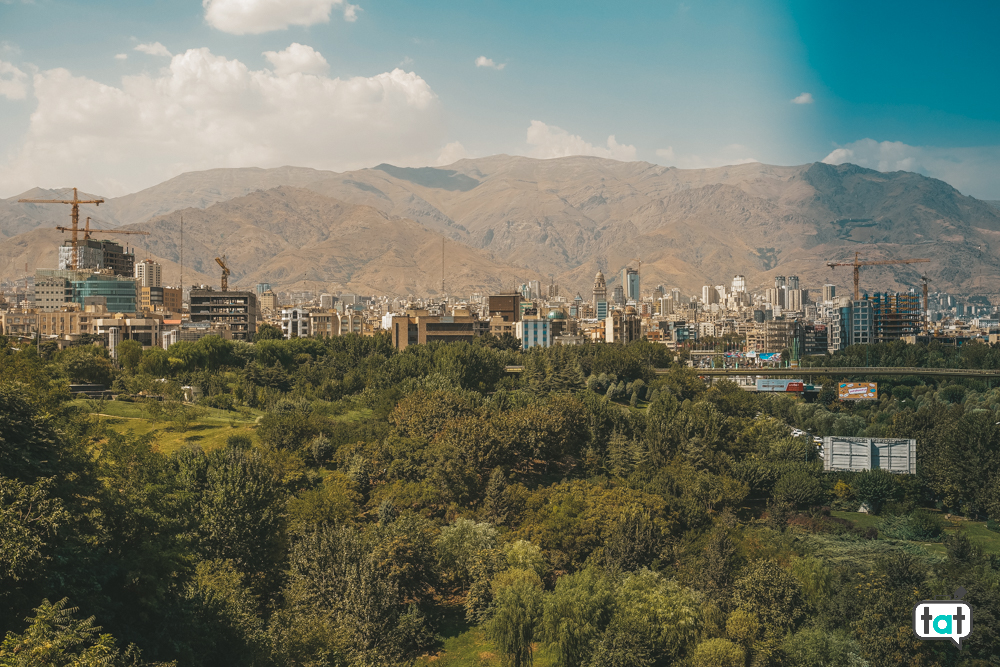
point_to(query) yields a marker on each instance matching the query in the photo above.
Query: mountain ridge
(570, 217)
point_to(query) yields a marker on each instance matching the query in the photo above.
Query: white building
(295, 322)
(533, 333)
(148, 274)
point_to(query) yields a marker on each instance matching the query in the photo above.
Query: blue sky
(114, 96)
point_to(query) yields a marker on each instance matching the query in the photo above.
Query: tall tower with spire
(600, 288)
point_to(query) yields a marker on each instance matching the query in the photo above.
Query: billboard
(857, 391)
(780, 385)
(897, 455)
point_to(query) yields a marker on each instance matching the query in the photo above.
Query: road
(867, 371)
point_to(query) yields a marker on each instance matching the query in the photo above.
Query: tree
(458, 546)
(517, 601)
(719, 653)
(57, 638)
(576, 614)
(267, 331)
(874, 488)
(241, 512)
(88, 363)
(129, 354)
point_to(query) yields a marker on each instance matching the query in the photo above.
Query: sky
(113, 96)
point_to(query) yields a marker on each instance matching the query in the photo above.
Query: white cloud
(241, 17)
(207, 111)
(121, 56)
(665, 153)
(804, 98)
(971, 170)
(154, 49)
(451, 153)
(12, 82)
(483, 61)
(549, 141)
(297, 58)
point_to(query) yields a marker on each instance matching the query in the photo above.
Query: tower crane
(857, 264)
(74, 215)
(87, 231)
(221, 261)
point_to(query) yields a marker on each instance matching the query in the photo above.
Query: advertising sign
(857, 391)
(897, 455)
(780, 385)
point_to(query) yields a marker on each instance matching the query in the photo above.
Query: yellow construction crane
(87, 231)
(74, 215)
(857, 264)
(225, 272)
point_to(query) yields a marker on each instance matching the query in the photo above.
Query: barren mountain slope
(572, 216)
(295, 238)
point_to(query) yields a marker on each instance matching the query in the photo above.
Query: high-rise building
(600, 289)
(52, 293)
(619, 295)
(236, 309)
(622, 326)
(894, 315)
(793, 299)
(709, 295)
(793, 282)
(505, 306)
(148, 274)
(779, 282)
(601, 310)
(261, 288)
(325, 300)
(739, 284)
(535, 289)
(630, 283)
(675, 294)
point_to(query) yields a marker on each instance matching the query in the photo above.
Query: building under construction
(93, 254)
(895, 315)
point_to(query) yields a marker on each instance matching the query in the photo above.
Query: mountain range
(504, 220)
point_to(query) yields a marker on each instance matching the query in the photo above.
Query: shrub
(718, 653)
(919, 526)
(798, 488)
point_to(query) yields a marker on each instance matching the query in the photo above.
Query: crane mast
(74, 215)
(221, 261)
(858, 263)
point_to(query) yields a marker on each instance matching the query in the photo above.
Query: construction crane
(87, 231)
(225, 272)
(857, 264)
(74, 215)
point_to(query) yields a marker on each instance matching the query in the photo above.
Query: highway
(842, 371)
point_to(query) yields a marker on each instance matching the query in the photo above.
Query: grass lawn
(977, 531)
(209, 427)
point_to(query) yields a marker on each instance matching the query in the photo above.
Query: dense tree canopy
(589, 508)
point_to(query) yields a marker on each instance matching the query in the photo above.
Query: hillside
(299, 239)
(571, 216)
